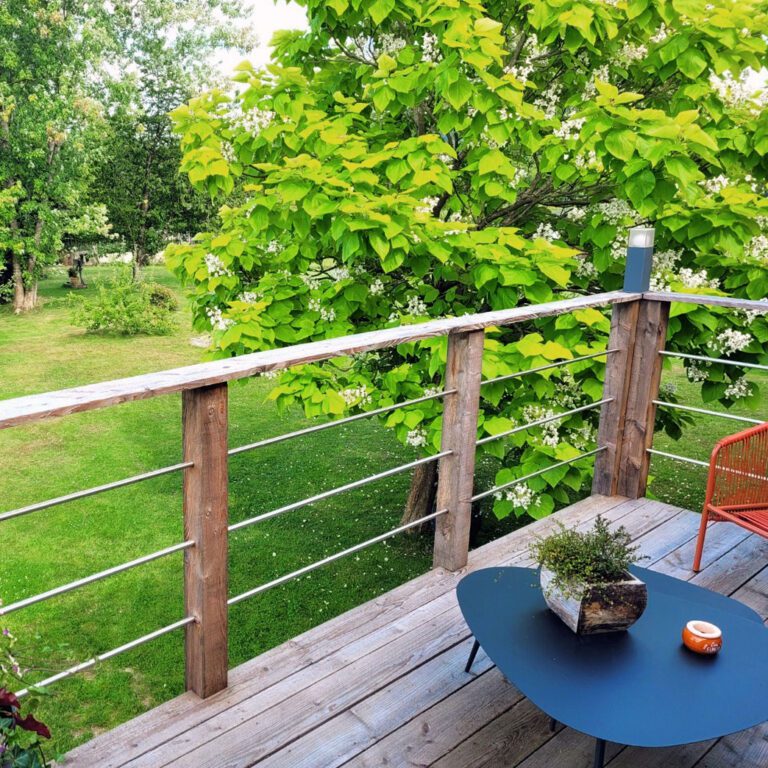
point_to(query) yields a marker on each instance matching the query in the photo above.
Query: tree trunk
(421, 497)
(24, 296)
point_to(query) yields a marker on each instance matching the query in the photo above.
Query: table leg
(472, 654)
(552, 724)
(599, 753)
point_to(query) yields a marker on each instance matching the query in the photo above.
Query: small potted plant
(586, 581)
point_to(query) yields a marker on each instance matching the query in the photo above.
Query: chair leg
(700, 540)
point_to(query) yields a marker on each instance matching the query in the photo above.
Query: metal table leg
(599, 753)
(472, 654)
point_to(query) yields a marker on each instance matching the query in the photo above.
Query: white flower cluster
(215, 266)
(523, 67)
(218, 321)
(548, 101)
(575, 214)
(588, 160)
(716, 184)
(546, 231)
(619, 246)
(249, 297)
(739, 93)
(660, 35)
(550, 435)
(584, 267)
(416, 438)
(582, 437)
(252, 121)
(327, 314)
(700, 279)
(339, 273)
(312, 282)
(376, 287)
(631, 52)
(568, 394)
(570, 129)
(519, 494)
(616, 211)
(228, 152)
(427, 205)
(270, 374)
(416, 306)
(757, 248)
(590, 89)
(737, 389)
(431, 391)
(696, 372)
(752, 314)
(390, 44)
(730, 341)
(356, 395)
(429, 47)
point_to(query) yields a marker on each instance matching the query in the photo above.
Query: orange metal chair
(737, 487)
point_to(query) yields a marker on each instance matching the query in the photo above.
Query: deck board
(383, 684)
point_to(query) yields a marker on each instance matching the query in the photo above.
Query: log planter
(609, 607)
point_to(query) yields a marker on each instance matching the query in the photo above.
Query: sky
(266, 18)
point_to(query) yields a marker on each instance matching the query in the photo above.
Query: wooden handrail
(712, 301)
(31, 408)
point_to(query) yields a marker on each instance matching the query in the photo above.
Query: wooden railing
(638, 331)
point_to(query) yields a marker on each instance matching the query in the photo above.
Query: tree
(48, 126)
(406, 159)
(165, 53)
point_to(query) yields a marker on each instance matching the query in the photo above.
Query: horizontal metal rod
(536, 474)
(720, 467)
(337, 423)
(677, 458)
(109, 654)
(558, 364)
(706, 412)
(331, 558)
(336, 491)
(756, 366)
(538, 422)
(93, 491)
(27, 601)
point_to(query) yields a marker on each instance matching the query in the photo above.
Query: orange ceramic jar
(702, 637)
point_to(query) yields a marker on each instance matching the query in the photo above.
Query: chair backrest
(738, 470)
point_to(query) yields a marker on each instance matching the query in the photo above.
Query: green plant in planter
(578, 560)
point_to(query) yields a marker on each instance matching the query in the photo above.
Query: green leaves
(621, 144)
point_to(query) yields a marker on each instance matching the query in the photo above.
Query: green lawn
(43, 351)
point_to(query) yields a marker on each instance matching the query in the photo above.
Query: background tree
(48, 125)
(165, 50)
(406, 159)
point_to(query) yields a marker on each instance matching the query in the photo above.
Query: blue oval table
(641, 687)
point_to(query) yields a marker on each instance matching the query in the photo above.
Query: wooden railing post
(457, 471)
(632, 376)
(204, 413)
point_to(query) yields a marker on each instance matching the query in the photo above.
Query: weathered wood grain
(22, 410)
(456, 474)
(711, 301)
(618, 368)
(640, 415)
(204, 415)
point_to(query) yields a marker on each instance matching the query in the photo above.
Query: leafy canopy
(406, 159)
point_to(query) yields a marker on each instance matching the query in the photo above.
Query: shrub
(161, 296)
(576, 559)
(128, 308)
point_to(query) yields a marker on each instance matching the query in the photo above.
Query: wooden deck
(383, 685)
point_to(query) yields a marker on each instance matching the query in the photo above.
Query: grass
(43, 351)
